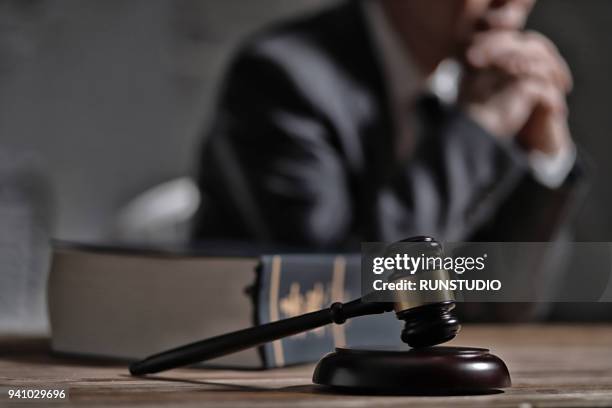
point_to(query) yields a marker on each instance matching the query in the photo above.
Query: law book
(128, 303)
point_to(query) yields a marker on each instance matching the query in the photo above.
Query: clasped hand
(515, 86)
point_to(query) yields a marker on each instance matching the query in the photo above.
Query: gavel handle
(254, 336)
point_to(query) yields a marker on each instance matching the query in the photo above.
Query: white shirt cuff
(552, 169)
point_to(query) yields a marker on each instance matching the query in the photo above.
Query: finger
(550, 49)
(487, 47)
(541, 62)
(520, 54)
(545, 96)
(522, 66)
(541, 69)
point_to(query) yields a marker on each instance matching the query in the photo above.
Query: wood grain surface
(551, 366)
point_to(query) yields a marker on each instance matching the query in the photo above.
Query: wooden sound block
(423, 371)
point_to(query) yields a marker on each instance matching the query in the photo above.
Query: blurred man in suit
(381, 119)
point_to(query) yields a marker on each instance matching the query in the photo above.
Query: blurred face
(449, 25)
(481, 15)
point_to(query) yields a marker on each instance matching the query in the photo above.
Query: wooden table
(551, 366)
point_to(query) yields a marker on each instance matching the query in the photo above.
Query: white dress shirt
(405, 82)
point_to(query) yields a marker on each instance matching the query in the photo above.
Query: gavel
(426, 323)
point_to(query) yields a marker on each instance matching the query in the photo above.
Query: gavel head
(429, 316)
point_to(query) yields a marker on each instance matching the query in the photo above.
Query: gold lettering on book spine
(277, 345)
(296, 303)
(300, 300)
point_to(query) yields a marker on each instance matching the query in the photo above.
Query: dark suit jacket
(301, 153)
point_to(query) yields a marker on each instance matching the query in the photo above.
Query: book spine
(291, 285)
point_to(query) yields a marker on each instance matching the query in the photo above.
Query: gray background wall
(113, 94)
